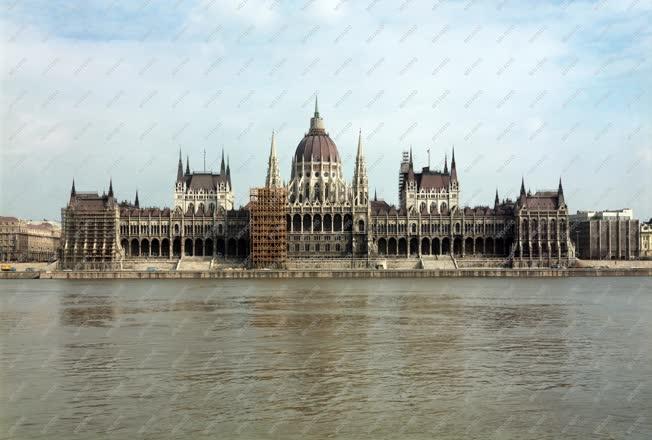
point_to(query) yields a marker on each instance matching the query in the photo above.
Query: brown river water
(311, 359)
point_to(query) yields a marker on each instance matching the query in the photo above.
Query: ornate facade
(203, 191)
(325, 216)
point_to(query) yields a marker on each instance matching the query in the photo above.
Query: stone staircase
(143, 265)
(195, 264)
(403, 263)
(479, 263)
(438, 262)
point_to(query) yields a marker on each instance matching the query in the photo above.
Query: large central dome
(316, 145)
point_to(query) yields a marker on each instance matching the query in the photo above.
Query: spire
(411, 164)
(110, 187)
(375, 195)
(522, 186)
(136, 202)
(360, 151)
(228, 171)
(360, 181)
(222, 169)
(180, 167)
(560, 193)
(453, 167)
(273, 175)
(72, 190)
(445, 163)
(187, 165)
(496, 200)
(316, 122)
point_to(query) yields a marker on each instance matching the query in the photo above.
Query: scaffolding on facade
(89, 238)
(268, 227)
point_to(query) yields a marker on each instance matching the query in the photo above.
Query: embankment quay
(341, 273)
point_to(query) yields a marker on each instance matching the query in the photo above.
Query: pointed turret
(273, 179)
(110, 187)
(72, 190)
(316, 122)
(136, 202)
(187, 165)
(445, 163)
(360, 181)
(522, 186)
(228, 171)
(180, 168)
(453, 167)
(560, 193)
(222, 169)
(375, 195)
(411, 163)
(496, 200)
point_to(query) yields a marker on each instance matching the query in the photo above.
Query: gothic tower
(360, 181)
(273, 179)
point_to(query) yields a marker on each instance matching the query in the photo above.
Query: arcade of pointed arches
(412, 238)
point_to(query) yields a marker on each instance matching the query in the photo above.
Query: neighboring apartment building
(25, 240)
(646, 239)
(605, 235)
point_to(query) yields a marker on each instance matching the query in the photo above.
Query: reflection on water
(326, 359)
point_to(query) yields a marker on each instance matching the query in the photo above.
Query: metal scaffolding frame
(268, 227)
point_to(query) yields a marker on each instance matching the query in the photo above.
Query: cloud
(115, 90)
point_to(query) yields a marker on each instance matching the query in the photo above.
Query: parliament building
(327, 219)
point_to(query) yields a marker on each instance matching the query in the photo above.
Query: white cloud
(515, 90)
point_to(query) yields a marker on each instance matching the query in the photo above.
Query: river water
(308, 359)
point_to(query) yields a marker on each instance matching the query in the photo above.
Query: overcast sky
(98, 89)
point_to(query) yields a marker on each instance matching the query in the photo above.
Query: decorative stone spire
(222, 169)
(375, 195)
(136, 202)
(273, 175)
(110, 187)
(453, 167)
(445, 163)
(228, 171)
(72, 190)
(522, 186)
(316, 122)
(187, 165)
(180, 168)
(560, 193)
(360, 181)
(496, 200)
(360, 153)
